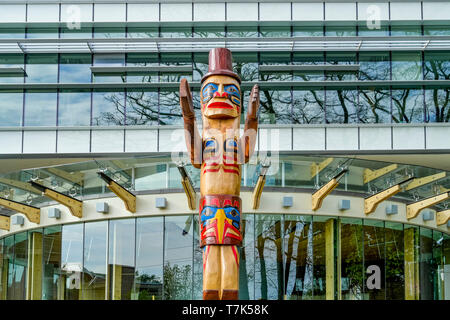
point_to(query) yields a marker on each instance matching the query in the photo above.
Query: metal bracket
(75, 206)
(5, 222)
(126, 196)
(257, 191)
(425, 180)
(371, 203)
(33, 214)
(369, 175)
(442, 217)
(317, 167)
(318, 196)
(413, 209)
(188, 187)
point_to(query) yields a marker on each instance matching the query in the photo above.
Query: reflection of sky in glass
(83, 33)
(40, 109)
(11, 108)
(42, 68)
(149, 246)
(75, 69)
(16, 33)
(95, 247)
(121, 242)
(108, 60)
(38, 33)
(74, 109)
(11, 61)
(72, 244)
(178, 248)
(108, 108)
(150, 177)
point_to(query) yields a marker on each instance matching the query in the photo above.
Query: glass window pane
(309, 59)
(268, 257)
(242, 32)
(12, 61)
(121, 258)
(72, 260)
(74, 108)
(341, 59)
(178, 258)
(308, 31)
(374, 66)
(275, 106)
(246, 65)
(395, 262)
(150, 177)
(42, 33)
(407, 105)
(133, 32)
(375, 106)
(365, 31)
(11, 106)
(209, 32)
(109, 60)
(342, 106)
(8, 267)
(108, 108)
(275, 31)
(374, 260)
(75, 33)
(247, 258)
(52, 285)
(406, 30)
(426, 264)
(142, 60)
(109, 33)
(94, 268)
(19, 277)
(352, 271)
(148, 281)
(437, 66)
(176, 32)
(197, 286)
(12, 33)
(436, 30)
(40, 108)
(42, 68)
(142, 107)
(406, 66)
(298, 255)
(169, 107)
(75, 68)
(437, 105)
(340, 31)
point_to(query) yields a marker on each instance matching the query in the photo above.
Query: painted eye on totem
(208, 92)
(233, 93)
(234, 213)
(208, 212)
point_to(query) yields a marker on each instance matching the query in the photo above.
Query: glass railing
(364, 177)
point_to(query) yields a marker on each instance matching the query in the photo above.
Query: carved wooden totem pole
(219, 154)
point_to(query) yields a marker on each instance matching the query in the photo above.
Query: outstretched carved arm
(251, 124)
(192, 137)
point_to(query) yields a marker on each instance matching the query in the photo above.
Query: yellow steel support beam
(318, 196)
(75, 206)
(413, 209)
(257, 191)
(330, 273)
(5, 222)
(188, 187)
(126, 196)
(317, 167)
(75, 177)
(33, 214)
(371, 203)
(425, 180)
(369, 175)
(442, 217)
(411, 265)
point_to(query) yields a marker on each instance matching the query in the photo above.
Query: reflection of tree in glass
(437, 67)
(177, 282)
(269, 238)
(148, 286)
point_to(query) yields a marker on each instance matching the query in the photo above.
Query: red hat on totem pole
(220, 64)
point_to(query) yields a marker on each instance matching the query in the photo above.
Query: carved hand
(187, 107)
(253, 103)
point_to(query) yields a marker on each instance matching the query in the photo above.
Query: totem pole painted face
(220, 97)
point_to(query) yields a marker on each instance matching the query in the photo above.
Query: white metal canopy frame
(289, 44)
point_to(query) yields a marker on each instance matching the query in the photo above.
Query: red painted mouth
(220, 105)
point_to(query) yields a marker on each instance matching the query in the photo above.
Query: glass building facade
(283, 257)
